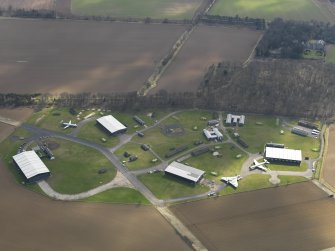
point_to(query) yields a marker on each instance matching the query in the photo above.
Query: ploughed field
(75, 56)
(328, 166)
(27, 4)
(207, 45)
(294, 217)
(33, 222)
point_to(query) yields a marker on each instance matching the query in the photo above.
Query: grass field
(277, 167)
(249, 183)
(162, 143)
(75, 168)
(122, 195)
(270, 9)
(168, 187)
(313, 55)
(9, 148)
(228, 165)
(144, 157)
(330, 57)
(93, 132)
(173, 9)
(286, 180)
(259, 130)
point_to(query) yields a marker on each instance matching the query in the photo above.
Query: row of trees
(10, 12)
(12, 99)
(286, 39)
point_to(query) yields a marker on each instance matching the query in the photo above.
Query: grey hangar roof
(111, 124)
(184, 171)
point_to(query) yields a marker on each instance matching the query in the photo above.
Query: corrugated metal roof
(184, 171)
(111, 124)
(283, 153)
(30, 164)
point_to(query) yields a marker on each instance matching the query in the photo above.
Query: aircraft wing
(66, 126)
(256, 163)
(262, 167)
(234, 182)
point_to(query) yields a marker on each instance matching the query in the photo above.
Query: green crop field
(172, 9)
(259, 130)
(270, 9)
(227, 165)
(162, 143)
(75, 168)
(167, 187)
(330, 57)
(121, 195)
(144, 157)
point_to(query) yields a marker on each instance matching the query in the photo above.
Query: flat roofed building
(186, 172)
(284, 155)
(235, 119)
(31, 166)
(111, 124)
(212, 134)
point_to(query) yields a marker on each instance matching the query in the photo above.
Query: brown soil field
(28, 4)
(295, 217)
(329, 164)
(17, 114)
(207, 45)
(31, 222)
(5, 131)
(80, 56)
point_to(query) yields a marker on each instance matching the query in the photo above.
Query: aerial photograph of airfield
(167, 125)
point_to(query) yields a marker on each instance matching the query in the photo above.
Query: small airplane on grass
(233, 181)
(69, 124)
(259, 165)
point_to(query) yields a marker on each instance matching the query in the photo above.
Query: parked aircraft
(259, 165)
(233, 181)
(69, 124)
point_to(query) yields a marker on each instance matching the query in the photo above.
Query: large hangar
(31, 166)
(186, 172)
(283, 155)
(111, 124)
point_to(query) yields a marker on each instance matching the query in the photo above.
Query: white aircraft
(233, 181)
(259, 165)
(69, 124)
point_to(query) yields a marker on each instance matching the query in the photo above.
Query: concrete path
(118, 181)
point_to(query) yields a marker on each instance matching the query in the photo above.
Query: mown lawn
(162, 143)
(294, 168)
(121, 195)
(75, 168)
(144, 157)
(259, 130)
(269, 9)
(173, 9)
(229, 164)
(168, 187)
(286, 180)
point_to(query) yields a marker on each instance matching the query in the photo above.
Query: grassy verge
(330, 57)
(144, 157)
(286, 180)
(168, 187)
(121, 195)
(228, 165)
(278, 167)
(75, 168)
(9, 148)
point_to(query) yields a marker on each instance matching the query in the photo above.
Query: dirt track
(329, 165)
(77, 56)
(31, 222)
(296, 217)
(207, 45)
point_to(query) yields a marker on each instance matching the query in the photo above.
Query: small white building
(235, 119)
(111, 124)
(213, 134)
(183, 171)
(31, 166)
